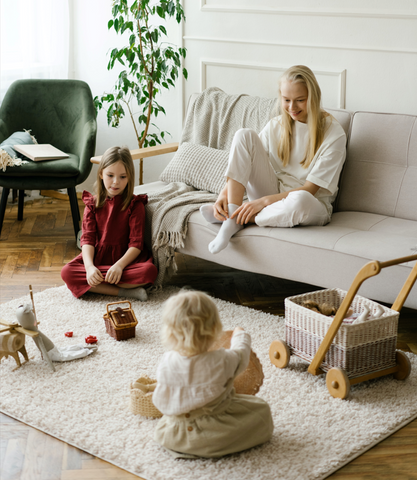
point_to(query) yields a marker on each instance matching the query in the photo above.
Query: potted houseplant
(151, 65)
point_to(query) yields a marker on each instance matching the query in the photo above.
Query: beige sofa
(375, 216)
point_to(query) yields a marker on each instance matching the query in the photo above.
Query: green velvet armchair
(59, 112)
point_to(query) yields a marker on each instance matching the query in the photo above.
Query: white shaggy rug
(85, 402)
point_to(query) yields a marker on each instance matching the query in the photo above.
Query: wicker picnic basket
(141, 402)
(250, 381)
(357, 348)
(120, 322)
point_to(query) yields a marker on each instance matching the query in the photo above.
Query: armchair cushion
(63, 168)
(201, 167)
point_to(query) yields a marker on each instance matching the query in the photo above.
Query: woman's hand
(220, 207)
(248, 210)
(94, 276)
(114, 274)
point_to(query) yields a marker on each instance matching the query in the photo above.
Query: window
(34, 40)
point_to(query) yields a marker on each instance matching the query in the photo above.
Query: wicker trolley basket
(349, 352)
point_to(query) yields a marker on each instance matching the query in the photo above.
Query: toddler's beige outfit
(203, 416)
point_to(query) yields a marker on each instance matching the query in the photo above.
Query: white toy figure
(27, 320)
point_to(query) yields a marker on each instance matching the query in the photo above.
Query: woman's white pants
(249, 165)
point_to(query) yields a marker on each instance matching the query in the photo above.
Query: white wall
(91, 42)
(364, 53)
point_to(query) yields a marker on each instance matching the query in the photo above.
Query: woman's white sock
(138, 293)
(227, 230)
(208, 215)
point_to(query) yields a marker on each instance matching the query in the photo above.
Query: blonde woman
(203, 416)
(289, 171)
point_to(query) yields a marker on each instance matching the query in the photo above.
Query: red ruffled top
(112, 230)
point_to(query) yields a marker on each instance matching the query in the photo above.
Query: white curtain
(34, 40)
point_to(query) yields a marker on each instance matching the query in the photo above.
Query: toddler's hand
(94, 276)
(237, 330)
(114, 274)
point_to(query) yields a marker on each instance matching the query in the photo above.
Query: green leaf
(185, 73)
(163, 29)
(116, 25)
(154, 36)
(160, 11)
(132, 40)
(110, 24)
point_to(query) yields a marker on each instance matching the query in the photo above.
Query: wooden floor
(33, 252)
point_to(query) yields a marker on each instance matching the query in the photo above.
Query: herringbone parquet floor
(33, 252)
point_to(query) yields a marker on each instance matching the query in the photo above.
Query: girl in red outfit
(114, 260)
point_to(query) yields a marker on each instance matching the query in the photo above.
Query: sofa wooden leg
(20, 205)
(3, 205)
(75, 211)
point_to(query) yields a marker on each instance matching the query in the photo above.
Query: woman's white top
(326, 166)
(187, 383)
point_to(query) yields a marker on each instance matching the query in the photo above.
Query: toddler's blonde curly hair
(191, 323)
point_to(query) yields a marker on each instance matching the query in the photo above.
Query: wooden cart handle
(369, 270)
(116, 303)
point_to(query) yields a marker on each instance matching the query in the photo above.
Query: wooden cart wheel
(404, 365)
(279, 353)
(337, 383)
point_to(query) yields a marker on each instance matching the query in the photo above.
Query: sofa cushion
(344, 117)
(328, 256)
(201, 167)
(380, 174)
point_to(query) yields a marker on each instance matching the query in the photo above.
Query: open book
(40, 152)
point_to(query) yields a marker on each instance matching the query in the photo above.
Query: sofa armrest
(147, 152)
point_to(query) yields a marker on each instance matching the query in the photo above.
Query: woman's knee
(245, 135)
(300, 200)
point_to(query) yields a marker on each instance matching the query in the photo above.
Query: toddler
(203, 416)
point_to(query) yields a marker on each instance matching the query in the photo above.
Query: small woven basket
(358, 349)
(121, 322)
(250, 381)
(141, 398)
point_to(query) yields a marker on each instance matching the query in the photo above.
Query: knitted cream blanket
(212, 121)
(167, 214)
(215, 116)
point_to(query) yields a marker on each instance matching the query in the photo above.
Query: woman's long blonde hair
(190, 323)
(111, 156)
(316, 116)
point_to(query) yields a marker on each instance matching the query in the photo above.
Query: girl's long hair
(316, 116)
(111, 156)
